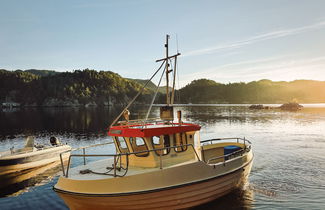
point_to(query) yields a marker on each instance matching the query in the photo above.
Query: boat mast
(174, 79)
(169, 97)
(167, 72)
(166, 112)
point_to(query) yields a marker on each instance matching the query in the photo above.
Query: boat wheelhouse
(155, 140)
(158, 164)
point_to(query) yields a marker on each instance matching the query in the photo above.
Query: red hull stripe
(151, 130)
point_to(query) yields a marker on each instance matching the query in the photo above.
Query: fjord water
(289, 151)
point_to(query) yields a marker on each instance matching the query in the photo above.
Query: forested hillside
(87, 87)
(90, 87)
(42, 73)
(263, 91)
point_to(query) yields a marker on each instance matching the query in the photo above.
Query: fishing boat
(32, 156)
(159, 163)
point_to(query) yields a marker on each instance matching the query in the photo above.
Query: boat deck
(100, 167)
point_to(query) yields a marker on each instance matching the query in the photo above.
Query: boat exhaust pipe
(179, 116)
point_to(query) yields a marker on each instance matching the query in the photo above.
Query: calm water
(289, 148)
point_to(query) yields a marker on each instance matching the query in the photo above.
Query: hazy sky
(227, 41)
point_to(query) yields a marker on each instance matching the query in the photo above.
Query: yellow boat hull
(174, 197)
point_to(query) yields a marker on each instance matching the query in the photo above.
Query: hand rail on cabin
(221, 139)
(66, 173)
(143, 122)
(140, 121)
(240, 152)
(246, 142)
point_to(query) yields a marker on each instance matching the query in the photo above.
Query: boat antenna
(167, 72)
(177, 43)
(178, 86)
(174, 79)
(176, 74)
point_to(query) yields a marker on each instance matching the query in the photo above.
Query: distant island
(103, 88)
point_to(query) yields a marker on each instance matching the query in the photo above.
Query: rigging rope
(178, 86)
(177, 74)
(177, 43)
(173, 89)
(154, 97)
(135, 97)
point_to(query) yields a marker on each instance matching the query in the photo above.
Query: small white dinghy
(31, 156)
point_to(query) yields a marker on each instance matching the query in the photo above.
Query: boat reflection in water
(14, 184)
(237, 199)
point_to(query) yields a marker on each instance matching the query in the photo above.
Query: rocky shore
(290, 106)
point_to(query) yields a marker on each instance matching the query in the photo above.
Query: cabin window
(180, 141)
(161, 142)
(121, 144)
(138, 145)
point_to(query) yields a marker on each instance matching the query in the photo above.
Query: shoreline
(306, 105)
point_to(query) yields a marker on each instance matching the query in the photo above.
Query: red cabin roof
(147, 130)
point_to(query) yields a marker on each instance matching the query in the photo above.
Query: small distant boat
(158, 164)
(31, 156)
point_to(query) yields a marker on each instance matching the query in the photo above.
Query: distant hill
(262, 91)
(162, 89)
(90, 87)
(86, 87)
(42, 73)
(151, 85)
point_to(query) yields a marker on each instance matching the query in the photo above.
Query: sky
(226, 41)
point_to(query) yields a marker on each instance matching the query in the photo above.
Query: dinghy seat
(29, 146)
(29, 142)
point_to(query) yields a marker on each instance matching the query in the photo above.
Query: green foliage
(200, 91)
(78, 87)
(42, 73)
(12, 84)
(150, 85)
(102, 87)
(263, 91)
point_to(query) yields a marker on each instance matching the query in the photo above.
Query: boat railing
(145, 122)
(76, 149)
(229, 156)
(245, 141)
(117, 166)
(226, 157)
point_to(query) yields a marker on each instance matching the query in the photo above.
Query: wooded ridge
(90, 87)
(86, 87)
(262, 92)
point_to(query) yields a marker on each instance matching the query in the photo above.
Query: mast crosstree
(167, 59)
(166, 112)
